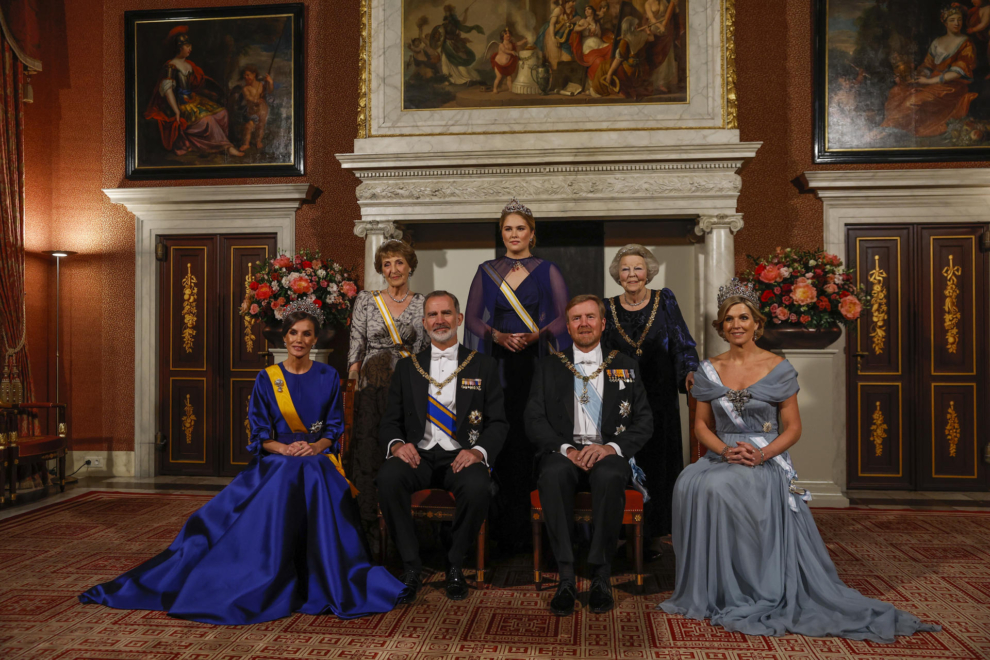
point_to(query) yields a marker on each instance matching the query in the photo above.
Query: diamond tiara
(304, 306)
(737, 288)
(515, 207)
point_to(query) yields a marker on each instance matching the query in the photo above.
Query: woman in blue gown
(515, 313)
(749, 556)
(285, 535)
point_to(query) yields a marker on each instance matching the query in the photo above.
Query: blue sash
(442, 418)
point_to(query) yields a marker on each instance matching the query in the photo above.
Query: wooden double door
(918, 369)
(209, 355)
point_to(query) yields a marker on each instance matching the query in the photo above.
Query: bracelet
(722, 455)
(495, 336)
(763, 459)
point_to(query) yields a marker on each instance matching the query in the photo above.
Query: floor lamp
(59, 255)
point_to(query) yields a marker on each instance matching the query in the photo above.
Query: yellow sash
(285, 406)
(393, 331)
(510, 295)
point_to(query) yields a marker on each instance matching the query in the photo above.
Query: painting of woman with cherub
(498, 53)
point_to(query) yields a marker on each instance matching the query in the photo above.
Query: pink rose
(831, 288)
(776, 290)
(802, 280)
(300, 283)
(770, 274)
(787, 300)
(773, 308)
(793, 318)
(850, 307)
(783, 313)
(254, 309)
(324, 283)
(349, 289)
(282, 262)
(317, 264)
(785, 272)
(804, 294)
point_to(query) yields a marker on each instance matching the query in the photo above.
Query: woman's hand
(746, 454)
(298, 448)
(689, 382)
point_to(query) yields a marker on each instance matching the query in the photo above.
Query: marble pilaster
(720, 266)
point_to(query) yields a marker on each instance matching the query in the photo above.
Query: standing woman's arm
(683, 351)
(557, 328)
(359, 334)
(474, 313)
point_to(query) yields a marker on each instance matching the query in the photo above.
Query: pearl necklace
(625, 297)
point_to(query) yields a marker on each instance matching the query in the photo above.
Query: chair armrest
(40, 405)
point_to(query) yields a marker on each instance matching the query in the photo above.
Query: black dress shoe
(600, 599)
(562, 603)
(413, 583)
(457, 588)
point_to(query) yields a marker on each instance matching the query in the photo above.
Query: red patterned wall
(75, 139)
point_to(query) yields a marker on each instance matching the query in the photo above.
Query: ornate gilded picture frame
(902, 82)
(464, 67)
(214, 92)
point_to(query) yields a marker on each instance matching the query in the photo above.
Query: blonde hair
(727, 304)
(530, 222)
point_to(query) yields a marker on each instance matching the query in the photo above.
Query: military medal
(473, 436)
(625, 408)
(635, 344)
(474, 418)
(449, 378)
(619, 429)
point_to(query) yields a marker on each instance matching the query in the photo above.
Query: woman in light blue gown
(749, 556)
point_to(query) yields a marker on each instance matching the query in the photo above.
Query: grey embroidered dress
(749, 556)
(372, 346)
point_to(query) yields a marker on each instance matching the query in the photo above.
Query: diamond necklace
(400, 300)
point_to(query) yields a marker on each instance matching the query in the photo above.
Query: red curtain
(12, 306)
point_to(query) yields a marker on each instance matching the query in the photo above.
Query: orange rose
(770, 274)
(804, 293)
(850, 307)
(264, 291)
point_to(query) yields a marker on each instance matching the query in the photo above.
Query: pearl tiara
(515, 207)
(304, 306)
(740, 289)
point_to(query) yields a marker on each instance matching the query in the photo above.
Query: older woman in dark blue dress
(515, 313)
(647, 325)
(285, 536)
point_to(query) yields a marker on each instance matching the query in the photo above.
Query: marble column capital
(708, 223)
(386, 228)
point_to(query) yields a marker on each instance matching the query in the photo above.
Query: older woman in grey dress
(385, 326)
(749, 556)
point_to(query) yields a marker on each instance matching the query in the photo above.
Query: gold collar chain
(649, 324)
(584, 399)
(449, 378)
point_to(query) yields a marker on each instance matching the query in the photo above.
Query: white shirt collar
(594, 356)
(446, 354)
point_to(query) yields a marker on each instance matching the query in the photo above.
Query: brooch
(474, 418)
(279, 383)
(473, 436)
(767, 427)
(738, 399)
(471, 384)
(625, 408)
(316, 427)
(619, 429)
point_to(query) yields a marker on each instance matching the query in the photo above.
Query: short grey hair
(439, 293)
(637, 250)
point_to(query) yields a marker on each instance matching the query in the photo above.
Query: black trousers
(397, 481)
(560, 480)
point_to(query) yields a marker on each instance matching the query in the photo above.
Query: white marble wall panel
(705, 108)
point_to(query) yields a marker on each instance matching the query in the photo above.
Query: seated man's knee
(393, 475)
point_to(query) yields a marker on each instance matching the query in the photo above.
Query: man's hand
(407, 452)
(465, 458)
(591, 454)
(689, 382)
(574, 456)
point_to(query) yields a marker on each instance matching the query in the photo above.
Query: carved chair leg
(61, 473)
(383, 542)
(537, 552)
(12, 476)
(482, 545)
(638, 540)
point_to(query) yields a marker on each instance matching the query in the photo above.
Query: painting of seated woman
(214, 93)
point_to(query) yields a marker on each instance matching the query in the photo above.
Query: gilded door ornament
(952, 314)
(878, 325)
(189, 292)
(188, 421)
(247, 421)
(248, 321)
(878, 430)
(952, 431)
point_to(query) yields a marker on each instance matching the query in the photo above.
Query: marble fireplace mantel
(560, 176)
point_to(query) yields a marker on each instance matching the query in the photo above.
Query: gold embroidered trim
(449, 378)
(646, 330)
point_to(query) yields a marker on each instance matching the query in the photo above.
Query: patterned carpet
(933, 563)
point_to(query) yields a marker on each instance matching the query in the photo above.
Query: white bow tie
(450, 354)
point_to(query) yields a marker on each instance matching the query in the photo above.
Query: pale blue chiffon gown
(749, 556)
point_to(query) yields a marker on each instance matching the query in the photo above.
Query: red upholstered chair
(697, 449)
(8, 423)
(37, 448)
(631, 516)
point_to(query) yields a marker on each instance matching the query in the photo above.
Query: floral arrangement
(306, 276)
(809, 288)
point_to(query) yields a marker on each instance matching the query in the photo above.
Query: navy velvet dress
(283, 537)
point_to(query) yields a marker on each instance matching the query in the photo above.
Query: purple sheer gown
(544, 295)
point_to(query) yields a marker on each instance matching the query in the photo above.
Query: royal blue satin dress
(283, 537)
